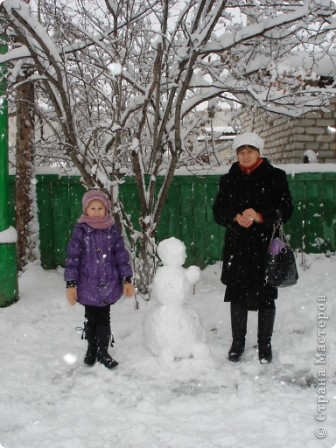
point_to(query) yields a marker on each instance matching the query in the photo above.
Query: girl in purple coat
(97, 273)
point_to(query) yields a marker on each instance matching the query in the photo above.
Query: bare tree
(25, 118)
(174, 56)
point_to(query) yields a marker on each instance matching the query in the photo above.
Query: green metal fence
(187, 214)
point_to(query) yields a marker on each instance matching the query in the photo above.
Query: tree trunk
(24, 167)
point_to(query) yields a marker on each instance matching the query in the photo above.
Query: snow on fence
(187, 215)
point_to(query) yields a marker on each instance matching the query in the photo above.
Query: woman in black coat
(251, 197)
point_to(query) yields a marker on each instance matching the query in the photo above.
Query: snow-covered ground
(48, 399)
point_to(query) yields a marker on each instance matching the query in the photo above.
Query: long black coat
(265, 190)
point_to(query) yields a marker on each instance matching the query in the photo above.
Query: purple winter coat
(98, 261)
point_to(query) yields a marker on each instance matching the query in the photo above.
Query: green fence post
(8, 262)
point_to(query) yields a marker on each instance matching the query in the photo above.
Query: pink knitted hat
(92, 195)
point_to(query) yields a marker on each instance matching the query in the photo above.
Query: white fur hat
(248, 138)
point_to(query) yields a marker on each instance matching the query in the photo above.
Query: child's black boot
(103, 338)
(92, 349)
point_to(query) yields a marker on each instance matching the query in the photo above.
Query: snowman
(172, 328)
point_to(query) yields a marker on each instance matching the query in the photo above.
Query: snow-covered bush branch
(175, 58)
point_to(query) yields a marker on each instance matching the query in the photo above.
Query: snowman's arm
(193, 274)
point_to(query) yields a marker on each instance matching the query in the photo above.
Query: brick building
(287, 139)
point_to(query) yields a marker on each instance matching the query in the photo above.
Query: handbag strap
(279, 228)
(275, 230)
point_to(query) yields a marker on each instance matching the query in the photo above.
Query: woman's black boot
(103, 339)
(266, 319)
(238, 327)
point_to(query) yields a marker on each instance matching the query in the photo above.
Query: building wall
(287, 139)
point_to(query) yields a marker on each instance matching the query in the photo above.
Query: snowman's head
(172, 252)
